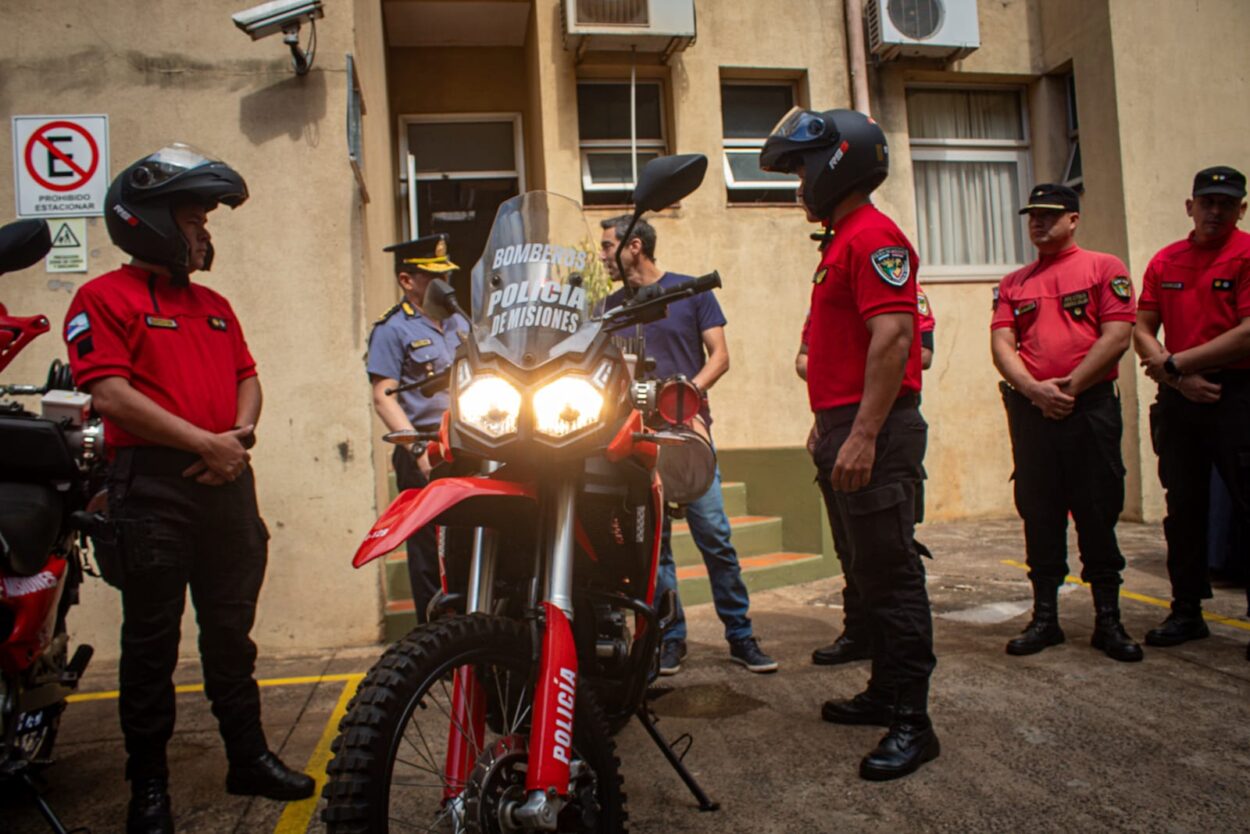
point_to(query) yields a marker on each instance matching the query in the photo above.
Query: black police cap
(1050, 196)
(1220, 180)
(427, 253)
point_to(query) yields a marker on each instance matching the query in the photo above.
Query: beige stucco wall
(286, 260)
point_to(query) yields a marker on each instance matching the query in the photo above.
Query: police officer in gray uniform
(405, 346)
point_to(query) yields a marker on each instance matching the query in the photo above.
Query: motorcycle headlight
(490, 404)
(566, 405)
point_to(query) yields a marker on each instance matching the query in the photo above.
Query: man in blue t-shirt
(690, 341)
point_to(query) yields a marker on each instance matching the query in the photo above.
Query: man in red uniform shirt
(863, 381)
(854, 643)
(1060, 326)
(167, 367)
(1199, 290)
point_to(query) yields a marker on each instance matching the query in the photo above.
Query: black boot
(843, 650)
(1043, 630)
(1185, 623)
(267, 776)
(149, 811)
(867, 707)
(1109, 634)
(910, 742)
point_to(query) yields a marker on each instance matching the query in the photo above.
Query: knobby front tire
(387, 771)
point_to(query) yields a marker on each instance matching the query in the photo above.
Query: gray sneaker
(672, 653)
(747, 652)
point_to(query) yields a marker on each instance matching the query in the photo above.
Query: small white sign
(60, 165)
(69, 245)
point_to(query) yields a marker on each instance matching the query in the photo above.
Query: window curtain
(966, 212)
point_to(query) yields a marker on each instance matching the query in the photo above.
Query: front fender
(413, 509)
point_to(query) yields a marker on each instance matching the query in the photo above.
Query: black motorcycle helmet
(840, 150)
(139, 207)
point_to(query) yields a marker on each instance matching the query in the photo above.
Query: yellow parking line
(297, 815)
(1149, 600)
(199, 687)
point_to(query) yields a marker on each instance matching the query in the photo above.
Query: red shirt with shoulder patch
(1199, 291)
(1056, 306)
(867, 270)
(182, 347)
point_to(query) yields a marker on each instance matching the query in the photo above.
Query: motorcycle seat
(30, 519)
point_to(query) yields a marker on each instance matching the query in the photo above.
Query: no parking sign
(60, 165)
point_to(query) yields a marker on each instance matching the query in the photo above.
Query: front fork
(551, 730)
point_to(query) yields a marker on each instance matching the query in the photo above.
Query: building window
(608, 159)
(970, 163)
(1072, 171)
(749, 111)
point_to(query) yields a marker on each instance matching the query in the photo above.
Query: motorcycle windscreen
(540, 283)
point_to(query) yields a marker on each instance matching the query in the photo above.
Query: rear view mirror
(23, 243)
(440, 300)
(666, 180)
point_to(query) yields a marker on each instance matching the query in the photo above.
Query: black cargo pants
(1069, 465)
(1189, 439)
(877, 546)
(175, 533)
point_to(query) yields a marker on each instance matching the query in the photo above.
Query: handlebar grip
(703, 283)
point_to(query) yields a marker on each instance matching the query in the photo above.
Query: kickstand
(49, 815)
(647, 720)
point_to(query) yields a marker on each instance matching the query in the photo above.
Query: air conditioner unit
(654, 26)
(922, 28)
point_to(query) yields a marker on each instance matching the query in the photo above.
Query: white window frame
(590, 147)
(737, 146)
(408, 162)
(979, 150)
(1074, 133)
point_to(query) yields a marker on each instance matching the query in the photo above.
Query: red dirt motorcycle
(500, 715)
(48, 462)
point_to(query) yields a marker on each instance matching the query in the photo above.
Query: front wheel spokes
(426, 788)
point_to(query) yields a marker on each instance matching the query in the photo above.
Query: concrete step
(735, 495)
(396, 577)
(752, 535)
(768, 570)
(399, 619)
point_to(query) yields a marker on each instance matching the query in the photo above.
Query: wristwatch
(1169, 365)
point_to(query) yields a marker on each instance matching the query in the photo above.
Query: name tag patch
(1075, 303)
(217, 323)
(420, 343)
(1173, 285)
(161, 323)
(1026, 307)
(1222, 284)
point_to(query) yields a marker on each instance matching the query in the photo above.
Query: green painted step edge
(735, 496)
(696, 590)
(753, 538)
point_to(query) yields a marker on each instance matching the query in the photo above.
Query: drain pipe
(858, 64)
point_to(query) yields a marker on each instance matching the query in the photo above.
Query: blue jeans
(709, 527)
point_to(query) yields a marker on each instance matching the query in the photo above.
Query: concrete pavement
(1063, 740)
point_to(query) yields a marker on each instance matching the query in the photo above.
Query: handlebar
(650, 301)
(429, 385)
(23, 390)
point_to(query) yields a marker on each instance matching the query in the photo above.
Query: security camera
(283, 16)
(277, 16)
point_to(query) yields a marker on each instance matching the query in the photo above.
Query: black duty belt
(829, 418)
(154, 460)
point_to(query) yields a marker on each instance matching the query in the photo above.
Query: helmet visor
(167, 163)
(800, 125)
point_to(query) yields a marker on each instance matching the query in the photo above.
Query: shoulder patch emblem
(1173, 285)
(893, 264)
(1122, 287)
(161, 323)
(819, 277)
(420, 343)
(77, 326)
(994, 301)
(217, 323)
(1222, 284)
(922, 303)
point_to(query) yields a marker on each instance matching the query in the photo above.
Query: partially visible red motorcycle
(499, 714)
(49, 463)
